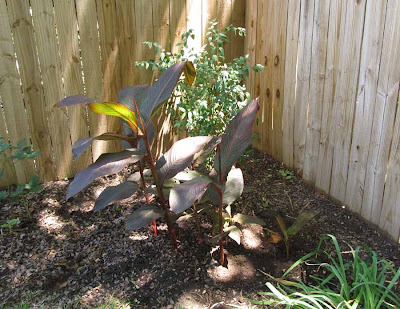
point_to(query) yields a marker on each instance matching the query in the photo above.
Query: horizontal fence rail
(329, 93)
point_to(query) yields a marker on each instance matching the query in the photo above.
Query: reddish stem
(155, 176)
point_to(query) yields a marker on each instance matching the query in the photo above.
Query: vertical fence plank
(13, 104)
(224, 16)
(278, 77)
(161, 34)
(193, 7)
(91, 61)
(110, 62)
(318, 66)
(325, 153)
(303, 83)
(364, 110)
(24, 40)
(7, 177)
(144, 21)
(379, 169)
(351, 35)
(238, 20)
(44, 24)
(67, 31)
(177, 23)
(209, 13)
(263, 51)
(289, 100)
(250, 44)
(126, 25)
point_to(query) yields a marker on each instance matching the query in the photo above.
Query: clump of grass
(366, 281)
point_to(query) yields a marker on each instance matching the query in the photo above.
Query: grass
(366, 281)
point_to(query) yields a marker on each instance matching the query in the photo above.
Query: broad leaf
(142, 217)
(118, 110)
(233, 233)
(201, 156)
(183, 196)
(153, 190)
(233, 186)
(282, 225)
(162, 89)
(190, 73)
(179, 156)
(232, 189)
(236, 138)
(137, 178)
(247, 220)
(83, 143)
(116, 193)
(106, 164)
(300, 222)
(187, 175)
(75, 99)
(126, 95)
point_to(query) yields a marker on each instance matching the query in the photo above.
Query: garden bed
(67, 255)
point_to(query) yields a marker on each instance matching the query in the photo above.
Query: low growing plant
(10, 153)
(10, 224)
(365, 281)
(136, 107)
(220, 91)
(303, 218)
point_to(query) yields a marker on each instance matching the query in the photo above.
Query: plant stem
(221, 228)
(9, 163)
(154, 224)
(155, 177)
(196, 218)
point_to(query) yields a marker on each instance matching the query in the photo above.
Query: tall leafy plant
(136, 106)
(220, 91)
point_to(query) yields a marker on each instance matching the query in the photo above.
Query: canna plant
(136, 105)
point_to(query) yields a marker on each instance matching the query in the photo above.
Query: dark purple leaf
(179, 156)
(236, 138)
(106, 164)
(75, 99)
(115, 194)
(142, 217)
(183, 196)
(83, 143)
(126, 95)
(162, 89)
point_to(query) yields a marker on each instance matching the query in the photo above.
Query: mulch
(67, 255)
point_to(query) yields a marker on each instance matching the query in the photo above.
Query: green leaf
(234, 186)
(300, 222)
(83, 143)
(179, 156)
(106, 164)
(236, 138)
(282, 225)
(202, 155)
(116, 193)
(247, 220)
(118, 110)
(142, 217)
(183, 196)
(3, 195)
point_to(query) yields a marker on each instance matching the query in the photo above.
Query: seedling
(286, 174)
(136, 107)
(298, 224)
(10, 224)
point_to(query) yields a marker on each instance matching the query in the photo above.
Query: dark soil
(67, 256)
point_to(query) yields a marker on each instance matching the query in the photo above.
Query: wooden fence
(330, 97)
(329, 94)
(54, 48)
